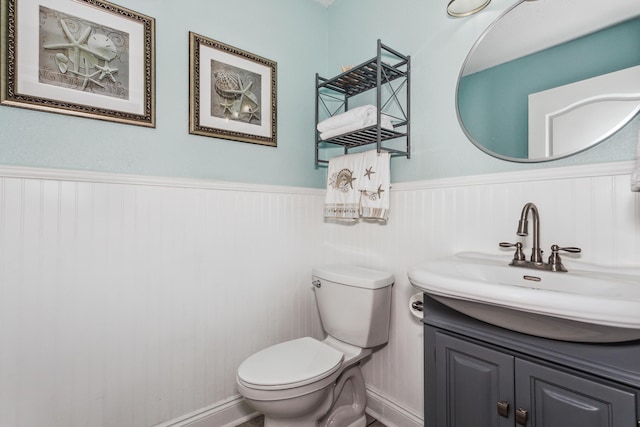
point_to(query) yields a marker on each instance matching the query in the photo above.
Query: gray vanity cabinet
(477, 375)
(470, 381)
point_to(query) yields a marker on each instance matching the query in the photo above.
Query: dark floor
(258, 422)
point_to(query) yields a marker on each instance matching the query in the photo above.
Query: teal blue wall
(291, 32)
(487, 97)
(303, 37)
(438, 45)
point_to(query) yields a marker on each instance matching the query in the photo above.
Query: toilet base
(302, 411)
(361, 422)
(339, 405)
(349, 402)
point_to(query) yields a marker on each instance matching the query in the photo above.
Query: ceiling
(536, 25)
(325, 3)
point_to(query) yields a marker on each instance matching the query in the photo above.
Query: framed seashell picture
(232, 93)
(87, 58)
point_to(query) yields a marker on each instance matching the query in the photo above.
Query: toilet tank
(354, 303)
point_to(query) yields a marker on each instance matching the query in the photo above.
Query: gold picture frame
(232, 93)
(87, 58)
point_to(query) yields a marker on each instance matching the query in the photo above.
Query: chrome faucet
(519, 259)
(523, 230)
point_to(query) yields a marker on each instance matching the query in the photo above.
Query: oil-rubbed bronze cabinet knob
(503, 409)
(521, 416)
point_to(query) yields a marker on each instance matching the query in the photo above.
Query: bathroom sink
(589, 303)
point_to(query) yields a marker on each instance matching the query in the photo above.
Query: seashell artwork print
(236, 93)
(81, 55)
(227, 84)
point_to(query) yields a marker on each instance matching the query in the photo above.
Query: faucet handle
(555, 249)
(554, 259)
(571, 249)
(519, 255)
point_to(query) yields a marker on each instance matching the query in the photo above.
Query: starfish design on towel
(380, 191)
(369, 172)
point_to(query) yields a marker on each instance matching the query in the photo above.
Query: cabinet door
(470, 383)
(554, 398)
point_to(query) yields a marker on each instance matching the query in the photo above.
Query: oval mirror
(551, 78)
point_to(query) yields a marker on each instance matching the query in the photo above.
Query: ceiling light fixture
(462, 8)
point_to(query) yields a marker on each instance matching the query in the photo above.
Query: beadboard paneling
(589, 207)
(130, 302)
(129, 305)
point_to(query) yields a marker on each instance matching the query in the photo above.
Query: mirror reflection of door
(566, 119)
(582, 39)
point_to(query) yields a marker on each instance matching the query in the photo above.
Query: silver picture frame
(87, 58)
(232, 93)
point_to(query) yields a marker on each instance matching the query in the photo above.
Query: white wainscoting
(591, 207)
(130, 301)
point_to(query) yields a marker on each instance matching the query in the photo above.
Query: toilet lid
(292, 363)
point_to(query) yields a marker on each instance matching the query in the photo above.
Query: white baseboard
(235, 411)
(228, 413)
(389, 412)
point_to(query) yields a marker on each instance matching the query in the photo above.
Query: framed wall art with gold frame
(87, 58)
(232, 93)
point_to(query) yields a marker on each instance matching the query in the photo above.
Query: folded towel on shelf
(635, 175)
(363, 114)
(374, 185)
(385, 123)
(358, 186)
(342, 200)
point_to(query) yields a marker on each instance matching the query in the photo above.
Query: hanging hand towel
(343, 198)
(635, 175)
(374, 185)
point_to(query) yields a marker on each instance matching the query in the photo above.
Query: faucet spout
(523, 226)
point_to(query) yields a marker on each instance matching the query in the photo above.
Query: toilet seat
(290, 365)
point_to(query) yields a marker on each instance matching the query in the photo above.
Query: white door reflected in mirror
(569, 118)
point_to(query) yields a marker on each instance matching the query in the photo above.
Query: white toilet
(306, 382)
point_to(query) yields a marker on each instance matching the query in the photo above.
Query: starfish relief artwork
(82, 55)
(236, 93)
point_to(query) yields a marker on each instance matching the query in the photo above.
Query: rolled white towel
(385, 123)
(363, 114)
(635, 175)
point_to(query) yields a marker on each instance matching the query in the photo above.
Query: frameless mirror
(551, 78)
